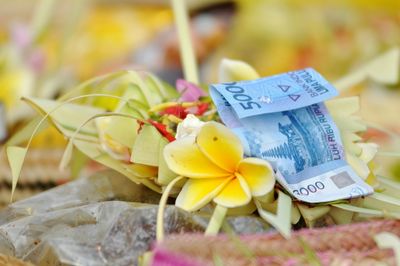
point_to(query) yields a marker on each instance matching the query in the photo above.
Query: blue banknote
(303, 146)
(276, 93)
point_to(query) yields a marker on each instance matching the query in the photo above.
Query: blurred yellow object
(49, 138)
(331, 36)
(109, 35)
(16, 80)
(72, 47)
(14, 84)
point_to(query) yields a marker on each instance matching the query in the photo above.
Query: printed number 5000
(312, 188)
(244, 99)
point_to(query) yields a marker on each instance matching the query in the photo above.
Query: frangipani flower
(216, 170)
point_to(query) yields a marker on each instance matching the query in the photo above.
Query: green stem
(186, 47)
(42, 17)
(216, 220)
(161, 208)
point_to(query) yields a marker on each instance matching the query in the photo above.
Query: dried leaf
(146, 147)
(389, 187)
(269, 204)
(151, 94)
(122, 130)
(166, 91)
(16, 157)
(312, 214)
(140, 108)
(78, 162)
(341, 216)
(66, 116)
(94, 151)
(281, 221)
(382, 202)
(132, 92)
(92, 85)
(165, 175)
(25, 133)
(366, 211)
(67, 156)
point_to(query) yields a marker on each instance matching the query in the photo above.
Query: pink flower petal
(189, 92)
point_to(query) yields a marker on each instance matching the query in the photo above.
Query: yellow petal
(198, 192)
(184, 158)
(220, 145)
(235, 194)
(258, 175)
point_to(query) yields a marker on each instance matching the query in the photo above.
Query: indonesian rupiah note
(276, 93)
(302, 144)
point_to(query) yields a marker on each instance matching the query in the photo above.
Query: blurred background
(48, 46)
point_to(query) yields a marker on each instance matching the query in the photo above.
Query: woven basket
(40, 172)
(339, 245)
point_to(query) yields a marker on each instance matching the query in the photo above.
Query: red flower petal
(177, 111)
(162, 129)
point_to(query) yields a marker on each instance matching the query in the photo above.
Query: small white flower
(190, 126)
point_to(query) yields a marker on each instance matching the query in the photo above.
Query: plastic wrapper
(85, 222)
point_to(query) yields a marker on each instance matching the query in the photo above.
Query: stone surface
(104, 186)
(101, 220)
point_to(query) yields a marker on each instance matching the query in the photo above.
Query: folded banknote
(276, 93)
(300, 139)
